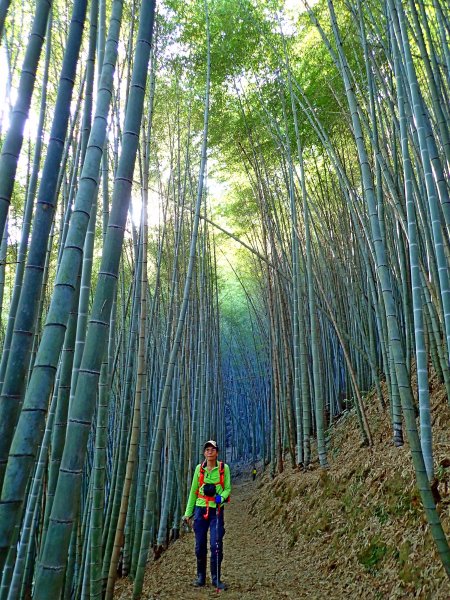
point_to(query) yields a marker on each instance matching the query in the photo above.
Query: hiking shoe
(220, 586)
(200, 581)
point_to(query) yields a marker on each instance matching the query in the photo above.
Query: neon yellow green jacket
(212, 476)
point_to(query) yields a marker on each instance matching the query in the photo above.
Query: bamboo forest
(225, 220)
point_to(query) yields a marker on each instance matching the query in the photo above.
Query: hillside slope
(362, 519)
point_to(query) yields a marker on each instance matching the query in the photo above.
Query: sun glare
(154, 216)
(3, 88)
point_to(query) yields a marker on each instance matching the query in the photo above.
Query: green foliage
(373, 554)
(381, 514)
(295, 530)
(399, 499)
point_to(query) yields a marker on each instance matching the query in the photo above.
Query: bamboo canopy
(219, 219)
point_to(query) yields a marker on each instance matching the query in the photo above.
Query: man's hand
(218, 499)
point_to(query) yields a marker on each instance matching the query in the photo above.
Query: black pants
(215, 523)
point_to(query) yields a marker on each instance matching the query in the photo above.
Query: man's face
(210, 453)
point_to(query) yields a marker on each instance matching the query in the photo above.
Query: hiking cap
(211, 443)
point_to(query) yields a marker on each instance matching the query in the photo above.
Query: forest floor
(356, 530)
(256, 564)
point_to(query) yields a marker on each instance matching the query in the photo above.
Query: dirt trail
(256, 565)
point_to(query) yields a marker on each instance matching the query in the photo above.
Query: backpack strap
(201, 475)
(201, 481)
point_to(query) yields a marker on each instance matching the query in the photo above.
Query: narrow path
(256, 564)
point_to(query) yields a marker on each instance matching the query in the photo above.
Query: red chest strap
(201, 477)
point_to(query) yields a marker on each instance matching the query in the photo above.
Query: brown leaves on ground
(362, 520)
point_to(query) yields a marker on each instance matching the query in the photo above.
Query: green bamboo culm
(12, 144)
(19, 357)
(416, 282)
(30, 425)
(154, 464)
(406, 396)
(28, 210)
(51, 569)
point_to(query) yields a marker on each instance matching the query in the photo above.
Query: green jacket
(212, 476)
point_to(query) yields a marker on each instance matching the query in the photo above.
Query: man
(211, 487)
